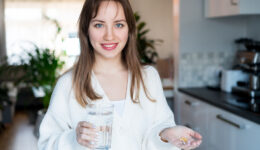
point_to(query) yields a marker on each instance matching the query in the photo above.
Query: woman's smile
(109, 46)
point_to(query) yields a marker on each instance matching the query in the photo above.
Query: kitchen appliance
(229, 78)
(247, 87)
(248, 61)
(245, 103)
(248, 44)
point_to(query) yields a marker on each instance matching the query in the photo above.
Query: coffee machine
(249, 62)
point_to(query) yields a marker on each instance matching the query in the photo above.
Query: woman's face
(108, 31)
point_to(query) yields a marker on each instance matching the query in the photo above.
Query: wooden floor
(18, 135)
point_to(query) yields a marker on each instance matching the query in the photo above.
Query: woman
(108, 70)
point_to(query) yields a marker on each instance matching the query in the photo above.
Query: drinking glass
(101, 116)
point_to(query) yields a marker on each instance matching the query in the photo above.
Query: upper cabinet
(221, 8)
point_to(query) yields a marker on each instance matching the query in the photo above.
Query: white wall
(198, 33)
(158, 16)
(2, 30)
(209, 43)
(254, 27)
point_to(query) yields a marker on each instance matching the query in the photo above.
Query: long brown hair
(83, 67)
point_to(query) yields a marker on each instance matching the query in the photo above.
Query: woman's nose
(109, 35)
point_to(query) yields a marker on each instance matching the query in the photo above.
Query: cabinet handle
(190, 103)
(220, 117)
(187, 102)
(234, 2)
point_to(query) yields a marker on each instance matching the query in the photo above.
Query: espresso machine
(249, 63)
(248, 60)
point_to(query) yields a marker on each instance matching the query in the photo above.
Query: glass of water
(101, 116)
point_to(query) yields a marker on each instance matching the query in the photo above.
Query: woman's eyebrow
(102, 21)
(120, 20)
(97, 20)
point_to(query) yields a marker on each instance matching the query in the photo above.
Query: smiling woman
(108, 70)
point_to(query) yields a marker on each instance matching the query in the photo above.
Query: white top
(119, 106)
(137, 129)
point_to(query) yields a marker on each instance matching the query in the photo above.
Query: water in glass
(101, 116)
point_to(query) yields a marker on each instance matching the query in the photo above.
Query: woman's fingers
(87, 131)
(195, 143)
(86, 134)
(185, 143)
(86, 124)
(196, 135)
(86, 143)
(182, 137)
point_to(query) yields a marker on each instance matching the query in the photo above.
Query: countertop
(219, 99)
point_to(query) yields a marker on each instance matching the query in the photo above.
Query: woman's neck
(108, 65)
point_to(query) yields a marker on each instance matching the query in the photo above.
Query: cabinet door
(221, 133)
(249, 137)
(193, 114)
(218, 8)
(230, 132)
(215, 8)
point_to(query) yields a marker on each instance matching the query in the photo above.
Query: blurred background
(207, 53)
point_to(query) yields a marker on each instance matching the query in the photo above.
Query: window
(26, 24)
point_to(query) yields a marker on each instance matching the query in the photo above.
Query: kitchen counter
(220, 99)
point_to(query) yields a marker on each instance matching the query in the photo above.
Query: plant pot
(38, 92)
(1, 115)
(40, 116)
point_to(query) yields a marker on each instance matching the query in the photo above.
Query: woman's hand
(182, 137)
(86, 134)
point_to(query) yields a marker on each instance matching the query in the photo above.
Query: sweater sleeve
(56, 132)
(163, 117)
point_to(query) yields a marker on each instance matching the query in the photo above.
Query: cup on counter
(101, 116)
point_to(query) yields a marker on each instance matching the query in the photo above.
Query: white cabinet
(218, 8)
(233, 132)
(221, 130)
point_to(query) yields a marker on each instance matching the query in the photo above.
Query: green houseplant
(41, 71)
(145, 45)
(42, 65)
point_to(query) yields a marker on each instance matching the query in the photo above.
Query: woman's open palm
(182, 137)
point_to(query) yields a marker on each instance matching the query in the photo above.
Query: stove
(246, 103)
(245, 91)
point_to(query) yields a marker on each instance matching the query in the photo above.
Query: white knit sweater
(137, 129)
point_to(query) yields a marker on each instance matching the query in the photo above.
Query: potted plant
(145, 46)
(42, 68)
(5, 115)
(41, 71)
(10, 76)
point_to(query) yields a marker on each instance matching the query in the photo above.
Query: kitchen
(202, 45)
(207, 33)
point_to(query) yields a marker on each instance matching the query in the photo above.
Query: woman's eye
(119, 25)
(98, 25)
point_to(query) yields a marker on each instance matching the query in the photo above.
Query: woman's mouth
(109, 46)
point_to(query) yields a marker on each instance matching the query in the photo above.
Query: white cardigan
(137, 129)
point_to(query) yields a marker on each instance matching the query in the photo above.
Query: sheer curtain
(25, 24)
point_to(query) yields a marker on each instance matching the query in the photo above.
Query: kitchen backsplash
(203, 68)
